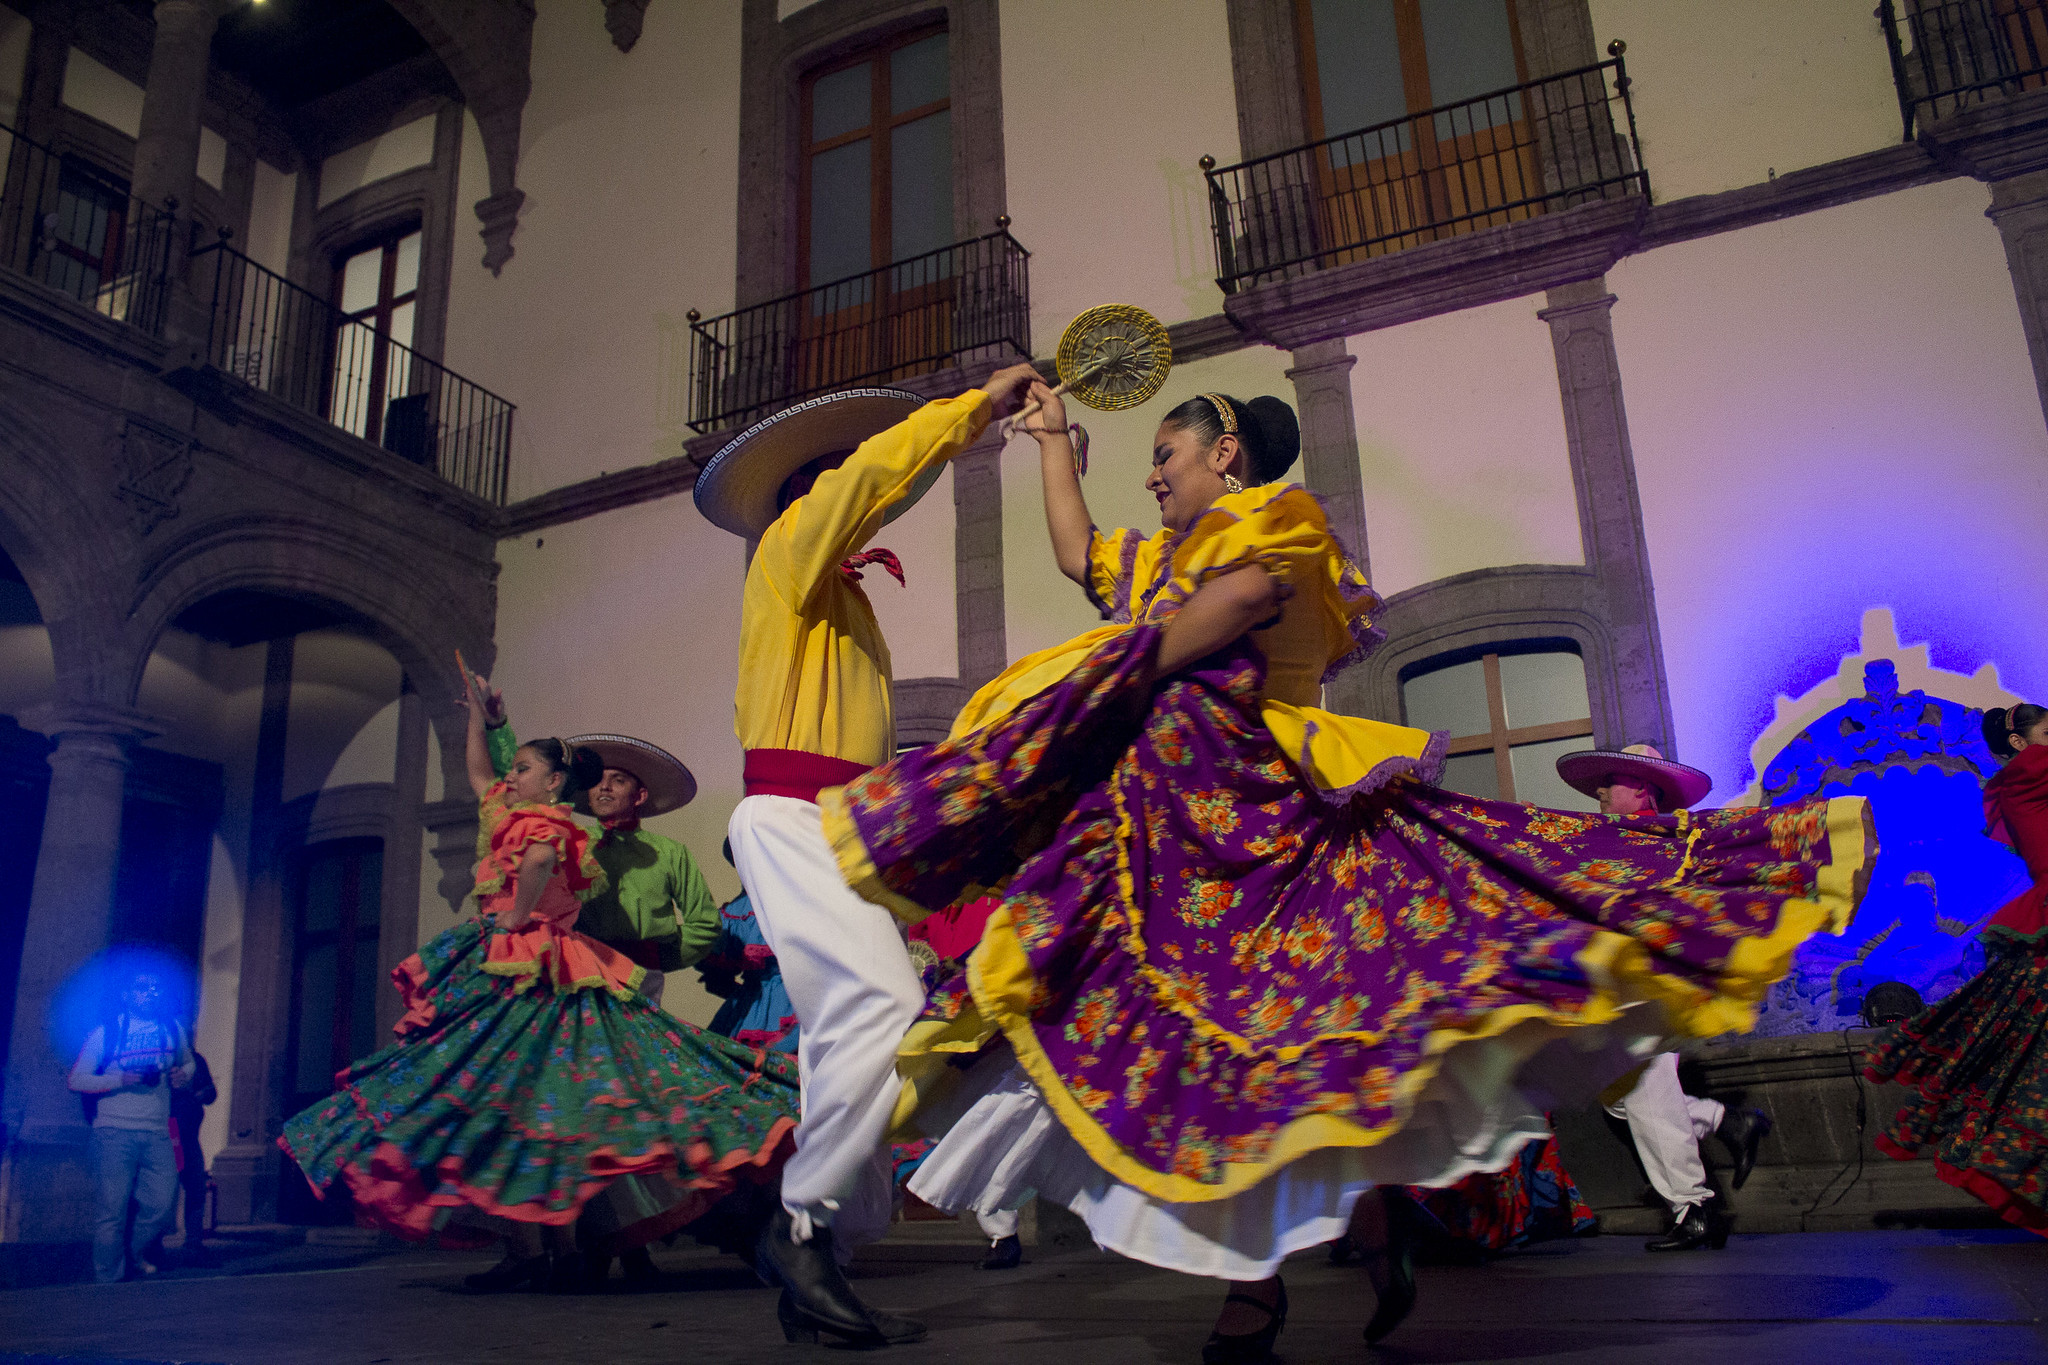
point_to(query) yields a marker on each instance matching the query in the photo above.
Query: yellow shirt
(1324, 624)
(814, 669)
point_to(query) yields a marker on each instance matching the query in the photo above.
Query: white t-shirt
(145, 1043)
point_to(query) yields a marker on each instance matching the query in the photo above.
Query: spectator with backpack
(125, 1073)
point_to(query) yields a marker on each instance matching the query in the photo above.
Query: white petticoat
(1002, 1143)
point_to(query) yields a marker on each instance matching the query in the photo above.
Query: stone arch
(380, 585)
(487, 46)
(72, 557)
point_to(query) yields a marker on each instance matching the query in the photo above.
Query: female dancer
(1978, 1060)
(529, 1072)
(1246, 964)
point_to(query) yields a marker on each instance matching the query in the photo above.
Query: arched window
(1511, 709)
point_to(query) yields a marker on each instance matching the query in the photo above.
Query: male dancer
(1666, 1123)
(813, 711)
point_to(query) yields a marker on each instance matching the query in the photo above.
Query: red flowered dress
(1978, 1060)
(530, 1075)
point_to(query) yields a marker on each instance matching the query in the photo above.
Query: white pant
(856, 994)
(998, 1225)
(1668, 1125)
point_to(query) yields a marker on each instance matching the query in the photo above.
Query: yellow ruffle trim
(1336, 751)
(530, 972)
(854, 863)
(1621, 970)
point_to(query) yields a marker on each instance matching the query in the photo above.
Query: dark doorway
(336, 903)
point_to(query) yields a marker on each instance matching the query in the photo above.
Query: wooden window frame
(877, 129)
(346, 934)
(1500, 738)
(1415, 91)
(378, 315)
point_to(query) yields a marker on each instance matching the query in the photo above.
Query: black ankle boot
(1004, 1253)
(1248, 1348)
(816, 1298)
(512, 1273)
(1742, 1130)
(1689, 1233)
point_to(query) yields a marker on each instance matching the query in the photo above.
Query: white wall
(1727, 92)
(389, 153)
(97, 92)
(271, 201)
(1830, 415)
(1461, 446)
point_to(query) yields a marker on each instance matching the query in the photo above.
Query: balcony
(288, 342)
(885, 325)
(64, 225)
(1503, 157)
(1951, 54)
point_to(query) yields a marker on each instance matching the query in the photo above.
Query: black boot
(1004, 1253)
(1743, 1130)
(816, 1297)
(1249, 1348)
(1689, 1233)
(512, 1273)
(638, 1266)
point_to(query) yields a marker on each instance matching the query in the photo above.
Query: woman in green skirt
(529, 1072)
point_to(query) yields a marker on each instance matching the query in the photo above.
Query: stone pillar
(167, 152)
(978, 559)
(399, 927)
(49, 1190)
(246, 1169)
(1329, 465)
(2019, 208)
(1610, 515)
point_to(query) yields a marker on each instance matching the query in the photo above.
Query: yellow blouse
(1324, 625)
(814, 669)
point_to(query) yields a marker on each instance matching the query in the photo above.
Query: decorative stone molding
(925, 708)
(500, 217)
(622, 19)
(155, 466)
(453, 825)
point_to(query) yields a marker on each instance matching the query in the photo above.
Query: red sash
(792, 772)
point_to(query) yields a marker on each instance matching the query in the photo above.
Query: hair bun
(586, 769)
(1282, 433)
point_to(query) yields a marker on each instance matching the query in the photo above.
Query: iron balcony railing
(1482, 162)
(64, 224)
(1953, 53)
(287, 341)
(907, 318)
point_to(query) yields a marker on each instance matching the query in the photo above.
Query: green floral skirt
(515, 1100)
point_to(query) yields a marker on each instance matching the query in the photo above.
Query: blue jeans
(132, 1164)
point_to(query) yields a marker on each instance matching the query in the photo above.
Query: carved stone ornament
(499, 215)
(622, 19)
(155, 464)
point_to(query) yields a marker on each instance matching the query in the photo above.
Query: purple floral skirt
(1210, 967)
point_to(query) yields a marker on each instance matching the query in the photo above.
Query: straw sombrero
(737, 487)
(669, 784)
(1676, 785)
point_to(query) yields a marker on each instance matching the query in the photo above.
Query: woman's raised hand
(1051, 419)
(1005, 384)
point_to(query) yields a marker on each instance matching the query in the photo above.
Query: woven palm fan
(1110, 357)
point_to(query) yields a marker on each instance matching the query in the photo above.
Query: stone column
(1329, 464)
(49, 1187)
(399, 927)
(246, 1169)
(2019, 208)
(167, 152)
(978, 559)
(1610, 514)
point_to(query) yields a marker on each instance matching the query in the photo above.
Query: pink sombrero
(670, 785)
(1676, 785)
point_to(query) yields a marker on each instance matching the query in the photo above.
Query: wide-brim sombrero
(1680, 786)
(737, 488)
(669, 783)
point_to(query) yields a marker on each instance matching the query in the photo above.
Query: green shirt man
(656, 909)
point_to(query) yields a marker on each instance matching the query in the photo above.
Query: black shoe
(1689, 1233)
(1004, 1253)
(1248, 1348)
(816, 1297)
(889, 1330)
(570, 1274)
(1743, 1130)
(512, 1273)
(637, 1266)
(1340, 1249)
(1392, 1269)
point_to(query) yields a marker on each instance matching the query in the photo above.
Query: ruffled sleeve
(509, 830)
(1113, 571)
(1282, 528)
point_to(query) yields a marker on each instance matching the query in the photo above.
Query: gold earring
(1231, 485)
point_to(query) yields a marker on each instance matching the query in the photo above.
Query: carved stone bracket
(500, 217)
(622, 19)
(453, 825)
(155, 465)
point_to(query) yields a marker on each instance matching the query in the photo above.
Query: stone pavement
(1923, 1297)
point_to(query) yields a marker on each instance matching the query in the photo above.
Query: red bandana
(853, 564)
(621, 824)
